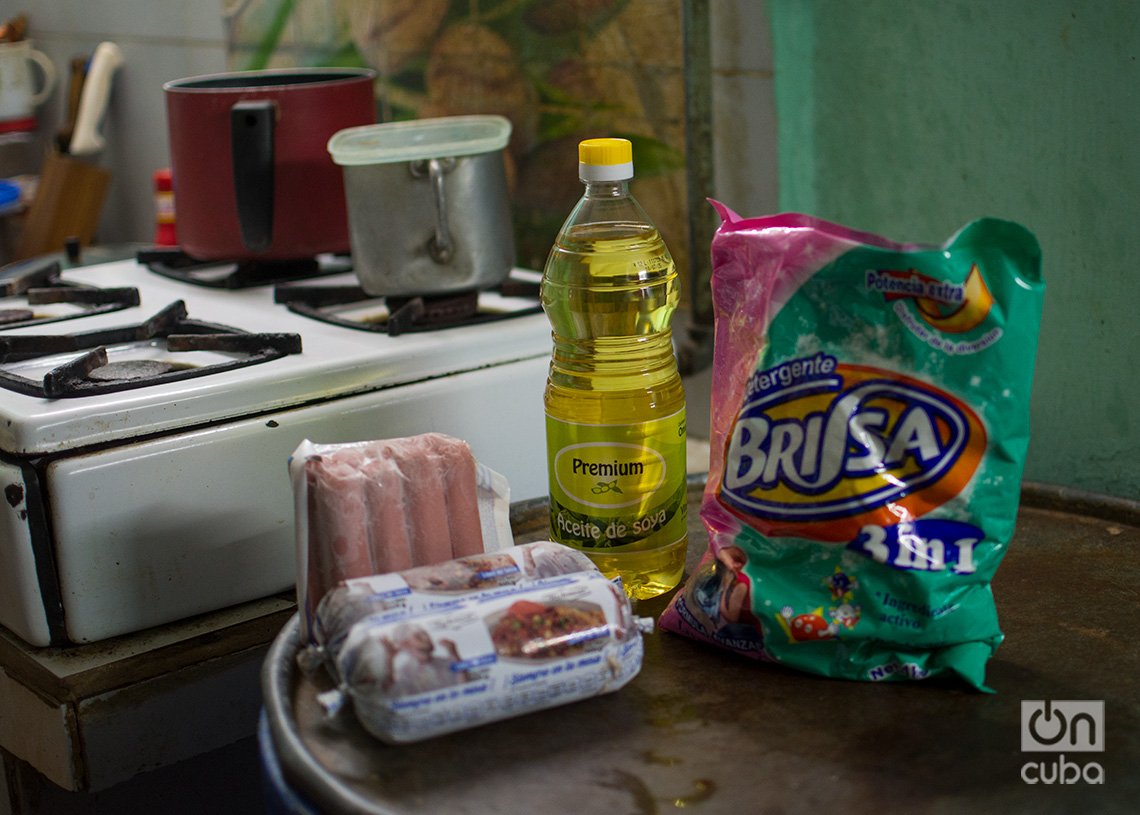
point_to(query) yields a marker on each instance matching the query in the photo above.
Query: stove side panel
(21, 600)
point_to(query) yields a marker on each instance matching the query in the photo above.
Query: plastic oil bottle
(615, 406)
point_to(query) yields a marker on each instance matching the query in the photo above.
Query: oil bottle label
(617, 485)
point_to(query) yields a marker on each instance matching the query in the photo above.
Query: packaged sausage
(870, 419)
(440, 648)
(387, 505)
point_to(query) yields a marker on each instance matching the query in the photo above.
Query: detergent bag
(870, 418)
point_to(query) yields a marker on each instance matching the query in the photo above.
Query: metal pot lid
(448, 136)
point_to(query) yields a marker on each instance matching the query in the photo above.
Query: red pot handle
(251, 138)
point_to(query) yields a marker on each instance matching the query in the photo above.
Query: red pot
(253, 179)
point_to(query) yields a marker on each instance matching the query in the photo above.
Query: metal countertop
(707, 730)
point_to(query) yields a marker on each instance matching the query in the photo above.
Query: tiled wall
(162, 41)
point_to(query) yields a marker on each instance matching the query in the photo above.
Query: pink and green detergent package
(870, 420)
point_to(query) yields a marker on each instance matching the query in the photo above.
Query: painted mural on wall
(560, 70)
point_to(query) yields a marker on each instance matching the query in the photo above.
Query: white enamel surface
(161, 530)
(335, 361)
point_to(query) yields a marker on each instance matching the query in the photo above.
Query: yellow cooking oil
(615, 405)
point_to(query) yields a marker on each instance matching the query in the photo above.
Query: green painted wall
(910, 118)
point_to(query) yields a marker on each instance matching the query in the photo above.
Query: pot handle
(251, 138)
(440, 245)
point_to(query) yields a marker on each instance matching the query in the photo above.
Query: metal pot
(428, 206)
(252, 178)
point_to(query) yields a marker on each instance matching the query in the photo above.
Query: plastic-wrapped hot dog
(441, 648)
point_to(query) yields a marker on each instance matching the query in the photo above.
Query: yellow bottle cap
(605, 160)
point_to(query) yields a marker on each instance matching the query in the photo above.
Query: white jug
(18, 97)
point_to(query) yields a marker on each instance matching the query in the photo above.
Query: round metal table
(706, 730)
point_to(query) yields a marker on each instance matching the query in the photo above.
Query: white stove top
(335, 361)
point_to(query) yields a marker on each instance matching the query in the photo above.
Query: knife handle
(86, 140)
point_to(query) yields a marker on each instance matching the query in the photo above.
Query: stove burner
(352, 307)
(167, 332)
(405, 313)
(38, 282)
(223, 274)
(130, 369)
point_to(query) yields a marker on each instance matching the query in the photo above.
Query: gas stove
(147, 417)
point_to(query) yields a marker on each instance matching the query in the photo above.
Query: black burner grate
(221, 274)
(39, 283)
(17, 278)
(90, 373)
(352, 307)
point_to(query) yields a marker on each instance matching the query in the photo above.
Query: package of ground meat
(383, 506)
(870, 419)
(441, 648)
